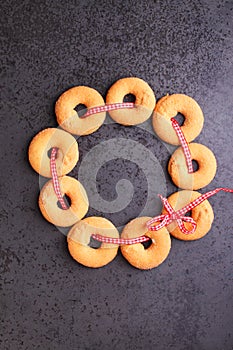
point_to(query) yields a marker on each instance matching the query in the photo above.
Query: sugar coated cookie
(136, 254)
(168, 107)
(205, 173)
(79, 239)
(144, 100)
(48, 202)
(68, 118)
(42, 144)
(203, 215)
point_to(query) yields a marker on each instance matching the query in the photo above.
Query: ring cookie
(79, 237)
(168, 107)
(48, 202)
(202, 214)
(41, 145)
(144, 101)
(136, 254)
(68, 118)
(205, 173)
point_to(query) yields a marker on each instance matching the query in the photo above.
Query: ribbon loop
(163, 222)
(182, 226)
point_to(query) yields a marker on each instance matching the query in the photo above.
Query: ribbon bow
(172, 215)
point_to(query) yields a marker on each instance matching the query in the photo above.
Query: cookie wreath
(53, 153)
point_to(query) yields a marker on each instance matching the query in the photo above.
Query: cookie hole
(147, 244)
(81, 109)
(195, 165)
(50, 152)
(129, 98)
(94, 243)
(67, 201)
(180, 119)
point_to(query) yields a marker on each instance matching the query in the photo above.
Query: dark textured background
(48, 301)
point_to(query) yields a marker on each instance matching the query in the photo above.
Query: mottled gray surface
(48, 301)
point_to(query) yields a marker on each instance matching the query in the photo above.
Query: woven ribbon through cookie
(56, 184)
(184, 145)
(108, 108)
(120, 241)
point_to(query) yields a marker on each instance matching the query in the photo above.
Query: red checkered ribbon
(108, 107)
(179, 215)
(165, 219)
(55, 179)
(175, 124)
(119, 241)
(184, 145)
